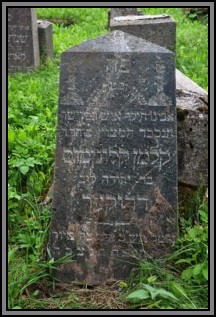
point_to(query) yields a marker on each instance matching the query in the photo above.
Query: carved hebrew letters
(23, 46)
(115, 174)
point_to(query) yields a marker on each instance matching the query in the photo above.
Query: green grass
(89, 23)
(32, 118)
(178, 281)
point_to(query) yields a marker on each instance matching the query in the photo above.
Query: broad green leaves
(25, 164)
(140, 294)
(150, 292)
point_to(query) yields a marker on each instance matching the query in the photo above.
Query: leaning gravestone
(115, 186)
(23, 47)
(192, 132)
(158, 29)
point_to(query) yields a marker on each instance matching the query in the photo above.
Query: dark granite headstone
(45, 34)
(115, 184)
(158, 29)
(23, 46)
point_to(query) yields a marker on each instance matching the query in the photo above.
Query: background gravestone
(23, 46)
(158, 29)
(45, 35)
(115, 185)
(115, 12)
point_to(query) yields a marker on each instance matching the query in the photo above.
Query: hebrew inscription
(115, 176)
(23, 46)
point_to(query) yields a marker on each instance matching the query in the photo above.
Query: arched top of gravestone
(118, 41)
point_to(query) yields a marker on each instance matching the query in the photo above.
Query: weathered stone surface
(160, 29)
(45, 33)
(192, 132)
(192, 142)
(116, 12)
(115, 185)
(187, 85)
(192, 102)
(23, 47)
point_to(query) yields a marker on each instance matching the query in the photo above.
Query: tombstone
(115, 183)
(45, 34)
(23, 47)
(184, 83)
(115, 12)
(192, 132)
(158, 29)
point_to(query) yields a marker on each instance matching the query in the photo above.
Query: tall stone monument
(115, 185)
(23, 46)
